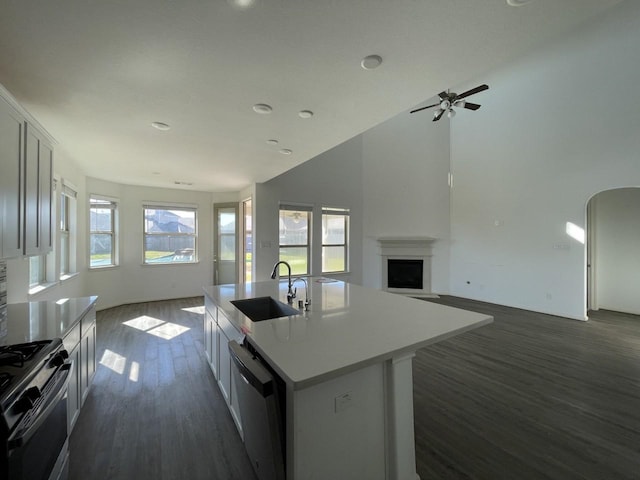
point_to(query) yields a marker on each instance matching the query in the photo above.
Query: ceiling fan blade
(439, 116)
(423, 108)
(471, 106)
(479, 88)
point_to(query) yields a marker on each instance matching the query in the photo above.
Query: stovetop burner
(17, 355)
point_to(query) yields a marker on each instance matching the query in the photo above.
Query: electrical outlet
(343, 401)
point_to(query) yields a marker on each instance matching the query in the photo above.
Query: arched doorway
(613, 250)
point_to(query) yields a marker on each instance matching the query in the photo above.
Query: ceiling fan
(448, 100)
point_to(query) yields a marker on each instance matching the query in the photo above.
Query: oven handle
(20, 437)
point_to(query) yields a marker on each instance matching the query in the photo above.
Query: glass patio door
(225, 259)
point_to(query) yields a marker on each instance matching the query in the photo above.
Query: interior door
(225, 258)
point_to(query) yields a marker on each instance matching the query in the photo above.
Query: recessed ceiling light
(272, 141)
(371, 61)
(161, 126)
(156, 173)
(285, 151)
(305, 114)
(517, 3)
(177, 182)
(241, 4)
(262, 108)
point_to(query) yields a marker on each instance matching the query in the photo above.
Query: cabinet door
(32, 195)
(11, 180)
(207, 335)
(224, 367)
(73, 390)
(215, 359)
(45, 174)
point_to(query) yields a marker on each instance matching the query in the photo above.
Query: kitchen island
(346, 364)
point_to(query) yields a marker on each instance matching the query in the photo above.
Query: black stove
(33, 409)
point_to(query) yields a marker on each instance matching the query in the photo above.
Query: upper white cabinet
(26, 182)
(11, 180)
(38, 189)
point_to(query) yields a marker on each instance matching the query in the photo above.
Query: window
(335, 238)
(294, 225)
(37, 272)
(102, 232)
(170, 234)
(64, 234)
(67, 230)
(248, 239)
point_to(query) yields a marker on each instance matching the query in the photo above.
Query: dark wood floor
(530, 396)
(155, 412)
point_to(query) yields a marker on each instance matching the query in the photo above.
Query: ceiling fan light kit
(448, 100)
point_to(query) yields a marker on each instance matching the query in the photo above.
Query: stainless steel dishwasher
(260, 410)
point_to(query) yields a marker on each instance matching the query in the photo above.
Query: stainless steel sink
(264, 308)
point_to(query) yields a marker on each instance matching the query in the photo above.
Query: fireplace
(406, 265)
(405, 273)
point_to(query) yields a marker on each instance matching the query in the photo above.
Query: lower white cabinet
(80, 342)
(73, 390)
(218, 331)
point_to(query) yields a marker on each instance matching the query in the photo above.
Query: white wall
(334, 179)
(616, 251)
(131, 281)
(406, 192)
(557, 126)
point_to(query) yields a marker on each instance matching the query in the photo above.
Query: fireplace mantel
(407, 248)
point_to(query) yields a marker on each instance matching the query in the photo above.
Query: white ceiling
(96, 73)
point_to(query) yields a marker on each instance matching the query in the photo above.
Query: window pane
(333, 259)
(101, 249)
(100, 220)
(333, 229)
(64, 254)
(169, 249)
(35, 271)
(294, 227)
(64, 212)
(169, 221)
(248, 240)
(297, 258)
(228, 247)
(227, 223)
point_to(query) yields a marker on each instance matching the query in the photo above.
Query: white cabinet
(80, 342)
(73, 390)
(11, 180)
(226, 381)
(87, 352)
(218, 331)
(211, 340)
(38, 168)
(26, 181)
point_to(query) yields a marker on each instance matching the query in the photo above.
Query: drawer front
(231, 332)
(72, 339)
(211, 308)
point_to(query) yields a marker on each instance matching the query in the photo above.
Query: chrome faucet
(291, 294)
(307, 302)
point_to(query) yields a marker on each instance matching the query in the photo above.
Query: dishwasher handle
(252, 371)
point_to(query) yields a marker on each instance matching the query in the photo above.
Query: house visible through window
(170, 234)
(294, 225)
(102, 232)
(335, 238)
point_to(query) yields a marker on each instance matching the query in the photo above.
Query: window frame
(345, 213)
(104, 202)
(308, 209)
(68, 230)
(169, 207)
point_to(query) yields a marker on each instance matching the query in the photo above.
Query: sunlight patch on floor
(113, 361)
(154, 326)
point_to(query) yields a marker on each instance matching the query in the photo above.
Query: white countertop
(347, 327)
(44, 320)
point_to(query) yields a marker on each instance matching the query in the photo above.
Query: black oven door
(41, 438)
